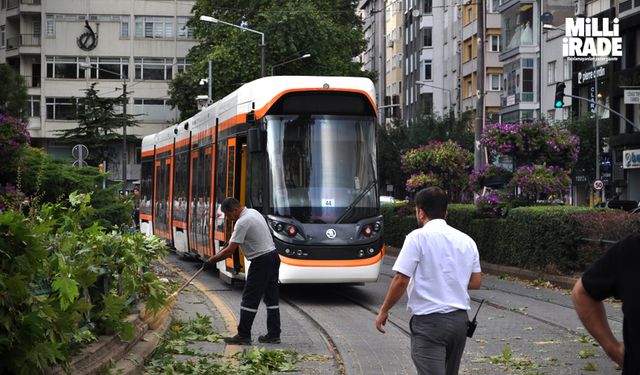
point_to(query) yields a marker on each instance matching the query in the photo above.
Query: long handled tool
(155, 319)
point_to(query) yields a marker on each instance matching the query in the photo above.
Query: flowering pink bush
(533, 180)
(482, 176)
(13, 134)
(492, 204)
(532, 142)
(420, 180)
(445, 164)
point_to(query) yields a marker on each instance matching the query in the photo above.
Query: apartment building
(142, 43)
(623, 74)
(430, 57)
(493, 82)
(373, 59)
(393, 66)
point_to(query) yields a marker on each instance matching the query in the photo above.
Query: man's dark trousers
(262, 280)
(437, 342)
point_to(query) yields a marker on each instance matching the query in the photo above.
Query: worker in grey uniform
(251, 231)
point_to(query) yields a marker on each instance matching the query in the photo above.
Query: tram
(299, 149)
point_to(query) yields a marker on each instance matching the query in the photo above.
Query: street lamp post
(262, 45)
(289, 61)
(124, 118)
(422, 83)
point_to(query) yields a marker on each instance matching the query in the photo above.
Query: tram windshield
(322, 168)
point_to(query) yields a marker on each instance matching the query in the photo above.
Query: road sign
(597, 185)
(80, 151)
(631, 96)
(80, 163)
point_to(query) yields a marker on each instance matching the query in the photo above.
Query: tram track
(331, 345)
(524, 313)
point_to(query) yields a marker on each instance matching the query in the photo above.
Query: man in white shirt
(436, 266)
(251, 231)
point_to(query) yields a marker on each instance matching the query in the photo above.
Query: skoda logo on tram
(331, 233)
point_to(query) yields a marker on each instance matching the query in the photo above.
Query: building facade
(62, 47)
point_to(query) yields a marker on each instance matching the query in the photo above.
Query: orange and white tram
(299, 149)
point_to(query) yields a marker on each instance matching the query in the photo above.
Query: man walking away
(436, 266)
(251, 231)
(613, 275)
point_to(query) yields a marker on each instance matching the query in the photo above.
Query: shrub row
(557, 239)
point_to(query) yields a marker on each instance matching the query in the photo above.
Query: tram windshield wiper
(366, 190)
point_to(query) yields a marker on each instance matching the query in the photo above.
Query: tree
(99, 123)
(328, 30)
(13, 93)
(585, 129)
(397, 138)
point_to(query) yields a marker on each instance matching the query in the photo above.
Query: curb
(565, 282)
(98, 356)
(133, 362)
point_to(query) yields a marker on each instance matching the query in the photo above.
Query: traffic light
(101, 168)
(559, 95)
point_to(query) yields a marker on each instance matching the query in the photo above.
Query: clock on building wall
(88, 40)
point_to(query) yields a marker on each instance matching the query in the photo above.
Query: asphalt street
(523, 327)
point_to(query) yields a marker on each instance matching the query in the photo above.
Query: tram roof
(264, 92)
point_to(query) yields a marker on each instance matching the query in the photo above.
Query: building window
(51, 25)
(60, 109)
(527, 80)
(428, 42)
(551, 72)
(517, 26)
(428, 6)
(567, 69)
(3, 42)
(427, 70)
(110, 68)
(427, 102)
(152, 110)
(34, 106)
(493, 6)
(469, 14)
(124, 28)
(494, 43)
(183, 65)
(154, 27)
(469, 88)
(495, 81)
(64, 67)
(154, 69)
(184, 31)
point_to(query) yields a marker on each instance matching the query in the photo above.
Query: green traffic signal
(560, 86)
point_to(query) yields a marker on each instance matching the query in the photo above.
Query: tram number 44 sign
(597, 185)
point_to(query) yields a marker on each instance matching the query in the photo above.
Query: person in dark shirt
(613, 275)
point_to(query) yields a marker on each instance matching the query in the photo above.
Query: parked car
(386, 199)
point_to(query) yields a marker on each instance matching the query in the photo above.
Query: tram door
(231, 184)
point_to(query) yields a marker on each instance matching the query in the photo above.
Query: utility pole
(477, 149)
(124, 135)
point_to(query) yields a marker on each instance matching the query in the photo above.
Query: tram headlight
(278, 227)
(361, 253)
(371, 250)
(292, 231)
(377, 226)
(367, 231)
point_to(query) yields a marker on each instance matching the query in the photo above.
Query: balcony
(33, 81)
(15, 7)
(23, 44)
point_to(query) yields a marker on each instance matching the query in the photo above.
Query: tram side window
(180, 182)
(256, 193)
(221, 182)
(146, 186)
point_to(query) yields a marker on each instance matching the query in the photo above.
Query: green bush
(62, 283)
(399, 219)
(548, 238)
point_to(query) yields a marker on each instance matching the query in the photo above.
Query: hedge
(557, 239)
